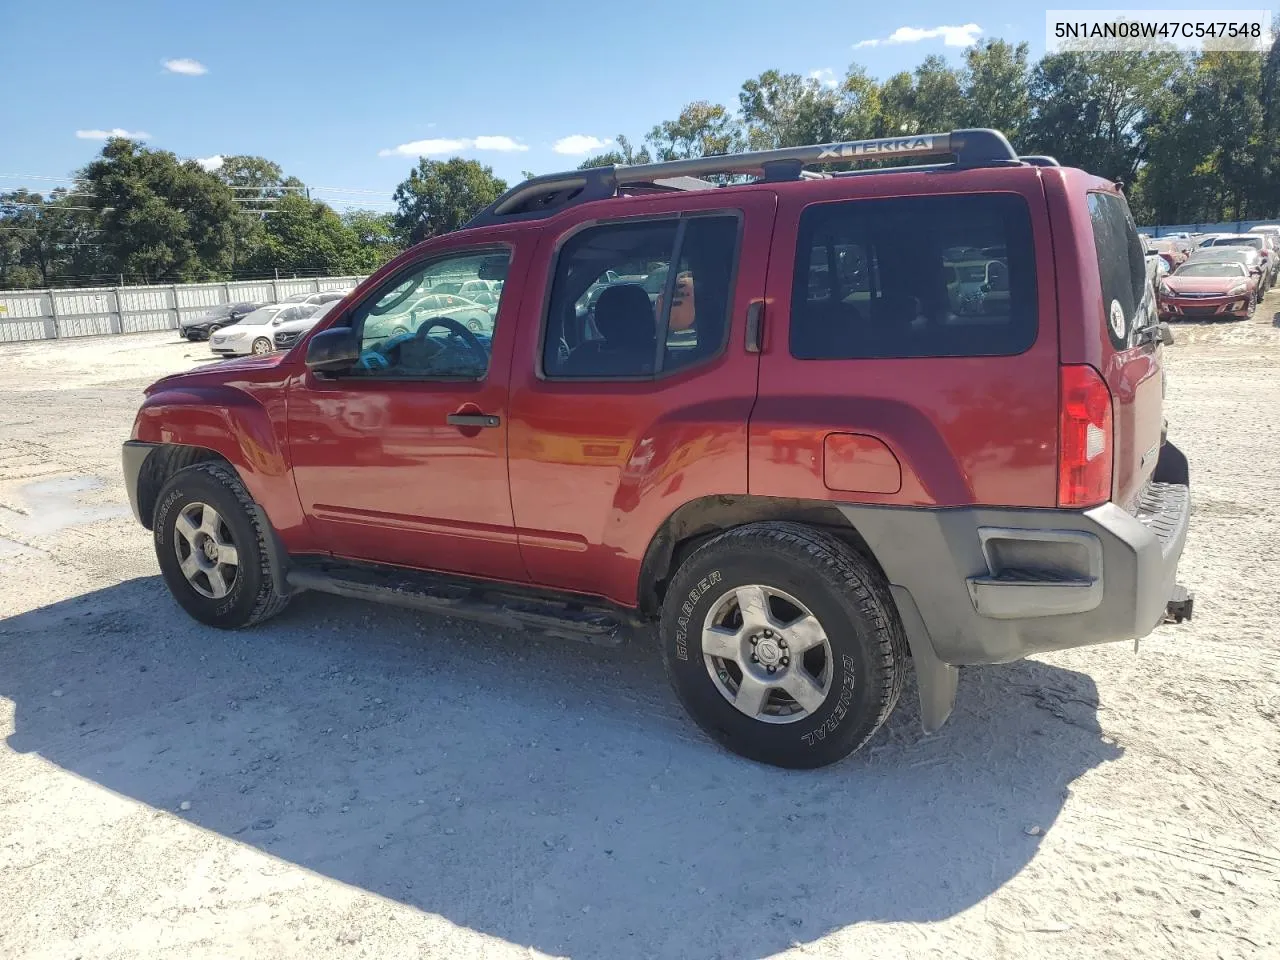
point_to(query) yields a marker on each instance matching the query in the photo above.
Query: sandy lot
(359, 781)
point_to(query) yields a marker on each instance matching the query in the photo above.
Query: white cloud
(579, 143)
(825, 76)
(185, 66)
(113, 132)
(503, 144)
(428, 148)
(211, 163)
(965, 36)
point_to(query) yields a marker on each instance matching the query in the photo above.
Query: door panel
(963, 429)
(383, 473)
(598, 464)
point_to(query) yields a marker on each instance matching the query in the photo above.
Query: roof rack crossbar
(540, 196)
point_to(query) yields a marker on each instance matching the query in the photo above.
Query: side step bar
(513, 610)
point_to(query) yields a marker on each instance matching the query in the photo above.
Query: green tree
(161, 218)
(786, 109)
(440, 196)
(304, 236)
(375, 237)
(703, 129)
(994, 84)
(1091, 107)
(43, 238)
(624, 152)
(1205, 142)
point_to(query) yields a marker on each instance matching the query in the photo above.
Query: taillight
(1084, 437)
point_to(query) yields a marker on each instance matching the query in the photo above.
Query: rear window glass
(940, 276)
(1121, 267)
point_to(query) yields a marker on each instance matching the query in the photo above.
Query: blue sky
(345, 95)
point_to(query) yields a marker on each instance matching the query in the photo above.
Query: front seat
(625, 318)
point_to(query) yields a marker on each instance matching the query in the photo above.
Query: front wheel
(212, 548)
(260, 346)
(783, 644)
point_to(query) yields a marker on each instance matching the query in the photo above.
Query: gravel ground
(352, 780)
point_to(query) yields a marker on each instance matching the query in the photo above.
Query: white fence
(1233, 226)
(91, 312)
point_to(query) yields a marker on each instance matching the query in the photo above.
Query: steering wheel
(453, 326)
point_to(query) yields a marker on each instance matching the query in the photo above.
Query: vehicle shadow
(548, 793)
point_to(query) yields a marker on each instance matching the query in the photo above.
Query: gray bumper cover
(133, 455)
(994, 585)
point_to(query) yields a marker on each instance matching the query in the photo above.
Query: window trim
(680, 217)
(399, 276)
(844, 201)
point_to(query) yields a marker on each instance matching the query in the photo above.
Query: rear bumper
(994, 585)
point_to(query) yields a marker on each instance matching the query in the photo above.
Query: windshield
(1255, 242)
(261, 316)
(1219, 269)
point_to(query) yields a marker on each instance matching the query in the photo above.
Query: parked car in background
(253, 334)
(433, 306)
(1157, 267)
(1206, 239)
(1250, 258)
(1175, 252)
(1260, 242)
(323, 297)
(201, 326)
(1208, 289)
(287, 330)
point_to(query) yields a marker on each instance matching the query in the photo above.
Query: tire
(261, 347)
(865, 646)
(249, 594)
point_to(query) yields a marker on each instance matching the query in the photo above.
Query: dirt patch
(351, 780)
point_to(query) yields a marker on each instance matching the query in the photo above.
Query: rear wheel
(783, 644)
(212, 549)
(260, 346)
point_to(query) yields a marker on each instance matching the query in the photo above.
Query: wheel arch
(697, 521)
(163, 462)
(220, 421)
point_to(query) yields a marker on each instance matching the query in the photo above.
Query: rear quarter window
(937, 276)
(1126, 304)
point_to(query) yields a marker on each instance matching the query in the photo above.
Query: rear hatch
(1128, 350)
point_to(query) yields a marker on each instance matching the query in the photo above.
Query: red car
(787, 436)
(1208, 289)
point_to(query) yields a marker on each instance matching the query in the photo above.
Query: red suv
(808, 426)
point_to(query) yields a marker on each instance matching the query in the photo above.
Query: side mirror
(333, 350)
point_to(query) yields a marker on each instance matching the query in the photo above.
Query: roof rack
(542, 196)
(1039, 161)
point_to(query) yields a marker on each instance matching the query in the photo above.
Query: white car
(287, 332)
(473, 316)
(319, 299)
(254, 334)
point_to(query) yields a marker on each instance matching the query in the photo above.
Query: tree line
(1194, 138)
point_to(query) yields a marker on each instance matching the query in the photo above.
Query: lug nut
(782, 644)
(754, 658)
(755, 640)
(772, 668)
(785, 660)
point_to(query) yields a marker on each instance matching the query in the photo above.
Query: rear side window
(640, 299)
(939, 276)
(1121, 267)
